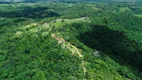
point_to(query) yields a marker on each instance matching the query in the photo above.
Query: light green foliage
(139, 15)
(124, 9)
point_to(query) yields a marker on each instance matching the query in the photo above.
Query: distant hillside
(71, 0)
(124, 0)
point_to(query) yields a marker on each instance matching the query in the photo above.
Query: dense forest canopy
(70, 40)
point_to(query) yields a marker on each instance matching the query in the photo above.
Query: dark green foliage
(115, 42)
(29, 12)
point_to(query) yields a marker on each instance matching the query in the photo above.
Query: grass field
(139, 15)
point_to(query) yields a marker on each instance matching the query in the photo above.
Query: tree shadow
(113, 43)
(29, 12)
(1, 2)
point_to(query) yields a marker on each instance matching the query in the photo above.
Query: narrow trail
(62, 41)
(79, 54)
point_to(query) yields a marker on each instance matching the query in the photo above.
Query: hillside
(71, 1)
(70, 41)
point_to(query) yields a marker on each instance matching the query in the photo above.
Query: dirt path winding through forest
(69, 46)
(62, 41)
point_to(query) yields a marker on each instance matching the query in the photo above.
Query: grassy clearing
(123, 9)
(62, 22)
(139, 15)
(34, 27)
